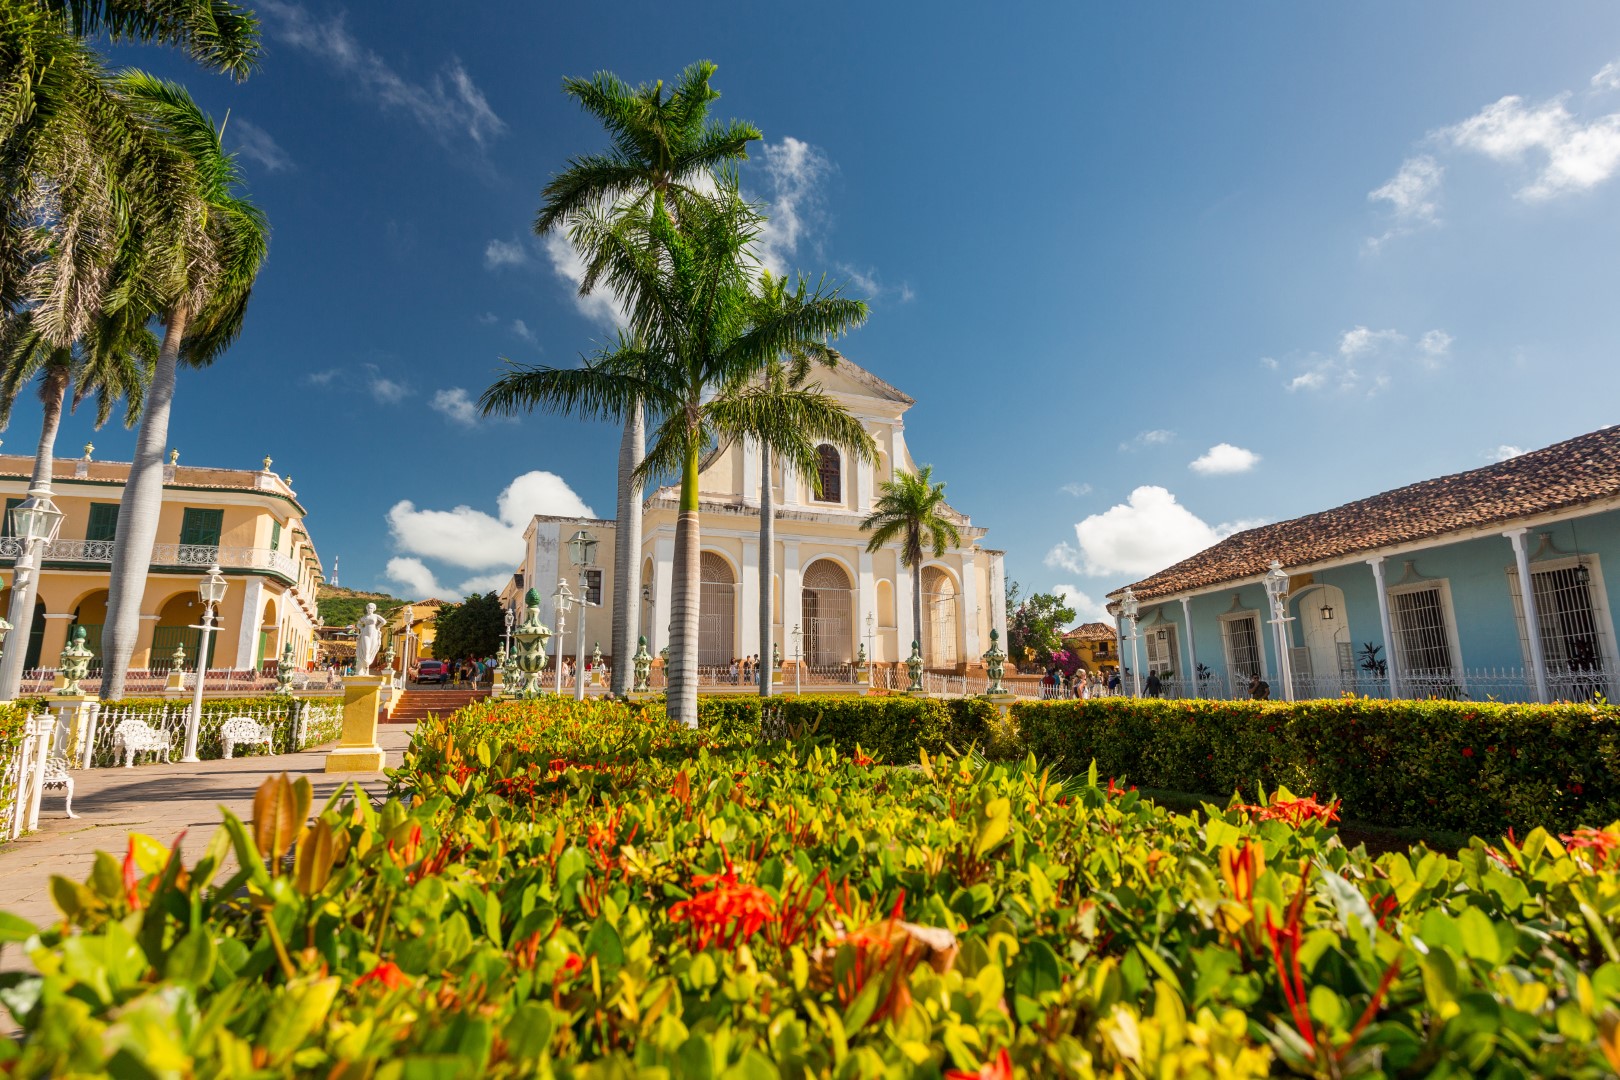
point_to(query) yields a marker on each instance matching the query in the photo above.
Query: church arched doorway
(717, 619)
(829, 614)
(939, 616)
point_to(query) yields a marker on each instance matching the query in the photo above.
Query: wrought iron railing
(199, 556)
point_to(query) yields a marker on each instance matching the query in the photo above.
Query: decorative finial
(89, 448)
(174, 457)
(267, 463)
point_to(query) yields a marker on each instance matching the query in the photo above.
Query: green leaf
(298, 1008)
(192, 959)
(604, 944)
(994, 821)
(15, 927)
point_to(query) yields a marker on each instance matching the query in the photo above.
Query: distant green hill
(340, 607)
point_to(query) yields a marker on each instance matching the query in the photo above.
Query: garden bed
(585, 889)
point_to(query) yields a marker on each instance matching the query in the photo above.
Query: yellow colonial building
(824, 581)
(248, 521)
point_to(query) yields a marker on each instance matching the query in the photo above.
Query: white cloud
(488, 318)
(1366, 361)
(1143, 535)
(1412, 195)
(255, 144)
(521, 329)
(387, 391)
(600, 306)
(866, 285)
(1269, 363)
(1362, 340)
(414, 579)
(1155, 437)
(449, 105)
(322, 378)
(475, 540)
(1505, 451)
(499, 254)
(1086, 609)
(1223, 459)
(456, 404)
(1077, 490)
(1578, 155)
(795, 170)
(1436, 345)
(1608, 77)
(484, 583)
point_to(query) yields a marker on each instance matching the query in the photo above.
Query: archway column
(55, 639)
(968, 616)
(247, 638)
(141, 658)
(749, 591)
(865, 602)
(792, 596)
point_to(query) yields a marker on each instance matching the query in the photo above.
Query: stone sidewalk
(161, 801)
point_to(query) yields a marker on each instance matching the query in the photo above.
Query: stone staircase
(415, 704)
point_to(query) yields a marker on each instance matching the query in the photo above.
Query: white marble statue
(367, 639)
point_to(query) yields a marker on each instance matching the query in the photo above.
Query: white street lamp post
(510, 620)
(212, 590)
(405, 664)
(564, 600)
(582, 552)
(871, 648)
(1277, 591)
(798, 658)
(1129, 609)
(34, 522)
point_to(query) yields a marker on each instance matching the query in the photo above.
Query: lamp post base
(357, 751)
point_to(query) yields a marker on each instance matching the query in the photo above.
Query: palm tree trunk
(21, 615)
(627, 553)
(138, 517)
(767, 590)
(917, 609)
(683, 629)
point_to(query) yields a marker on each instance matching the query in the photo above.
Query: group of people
(743, 670)
(1082, 684)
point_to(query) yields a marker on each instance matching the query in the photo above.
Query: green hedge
(1460, 766)
(895, 728)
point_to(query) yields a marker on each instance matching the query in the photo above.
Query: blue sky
(1151, 271)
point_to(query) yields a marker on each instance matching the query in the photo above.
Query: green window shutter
(201, 527)
(6, 529)
(275, 536)
(103, 522)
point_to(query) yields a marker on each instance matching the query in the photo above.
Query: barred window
(1242, 636)
(1422, 638)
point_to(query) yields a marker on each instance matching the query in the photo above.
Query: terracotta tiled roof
(1092, 631)
(1564, 475)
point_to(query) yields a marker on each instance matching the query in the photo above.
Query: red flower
(387, 974)
(861, 759)
(1295, 811)
(729, 913)
(1576, 789)
(1601, 845)
(998, 1068)
(131, 878)
(1468, 751)
(572, 965)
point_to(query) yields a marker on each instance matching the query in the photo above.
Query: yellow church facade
(247, 521)
(824, 582)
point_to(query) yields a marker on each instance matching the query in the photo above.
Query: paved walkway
(160, 801)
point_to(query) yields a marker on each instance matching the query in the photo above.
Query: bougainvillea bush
(1461, 766)
(562, 889)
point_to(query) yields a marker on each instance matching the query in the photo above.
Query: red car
(434, 671)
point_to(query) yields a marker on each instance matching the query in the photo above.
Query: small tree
(473, 627)
(1036, 623)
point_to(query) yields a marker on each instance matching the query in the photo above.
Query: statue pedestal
(497, 684)
(75, 716)
(1001, 701)
(357, 749)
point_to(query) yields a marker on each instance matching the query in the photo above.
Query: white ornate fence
(293, 727)
(22, 774)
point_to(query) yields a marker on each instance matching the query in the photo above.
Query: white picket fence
(291, 729)
(22, 776)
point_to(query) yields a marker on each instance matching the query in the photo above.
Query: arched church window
(829, 474)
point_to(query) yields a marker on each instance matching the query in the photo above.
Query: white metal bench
(244, 731)
(133, 737)
(56, 776)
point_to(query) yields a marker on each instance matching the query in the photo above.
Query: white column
(1532, 621)
(664, 572)
(749, 615)
(750, 480)
(1377, 565)
(792, 596)
(970, 608)
(998, 597)
(863, 486)
(790, 495)
(866, 602)
(247, 637)
(906, 632)
(1192, 654)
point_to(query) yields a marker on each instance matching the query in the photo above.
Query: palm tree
(664, 148)
(693, 355)
(67, 141)
(112, 362)
(910, 509)
(774, 299)
(200, 273)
